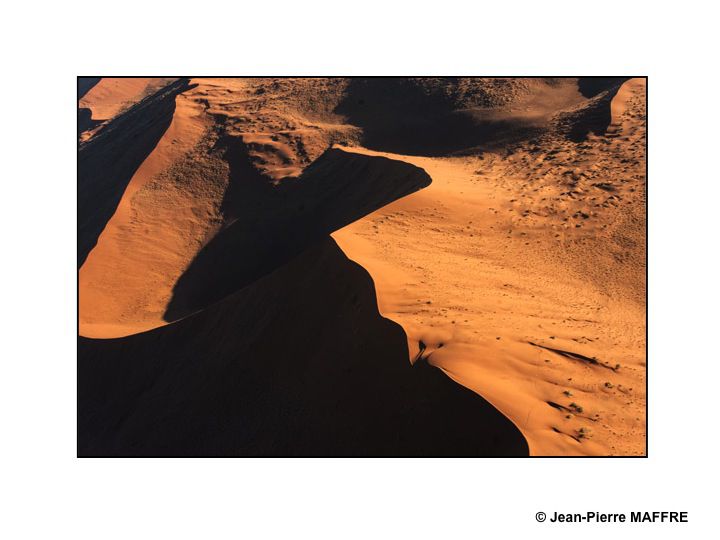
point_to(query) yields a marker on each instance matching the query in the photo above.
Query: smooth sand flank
(531, 310)
(127, 279)
(625, 99)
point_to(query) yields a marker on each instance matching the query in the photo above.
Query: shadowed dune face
(100, 99)
(85, 84)
(197, 221)
(106, 97)
(169, 208)
(85, 120)
(107, 163)
(223, 382)
(595, 115)
(268, 224)
(437, 117)
(592, 86)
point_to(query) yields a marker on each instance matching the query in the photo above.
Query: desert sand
(483, 292)
(100, 99)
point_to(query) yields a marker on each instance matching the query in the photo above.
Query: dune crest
(175, 246)
(109, 96)
(101, 99)
(299, 363)
(478, 273)
(126, 281)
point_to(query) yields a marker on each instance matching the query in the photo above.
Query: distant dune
(102, 98)
(483, 292)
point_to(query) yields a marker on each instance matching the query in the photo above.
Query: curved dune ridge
(490, 277)
(504, 234)
(298, 363)
(160, 221)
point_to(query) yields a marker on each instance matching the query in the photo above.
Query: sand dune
(477, 265)
(109, 96)
(173, 247)
(84, 86)
(170, 205)
(102, 98)
(107, 162)
(505, 234)
(267, 225)
(442, 117)
(298, 363)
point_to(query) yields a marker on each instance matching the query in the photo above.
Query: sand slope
(100, 99)
(298, 363)
(512, 257)
(111, 95)
(195, 225)
(169, 206)
(531, 276)
(268, 224)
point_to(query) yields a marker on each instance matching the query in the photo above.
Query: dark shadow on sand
(280, 350)
(85, 84)
(269, 224)
(592, 86)
(595, 117)
(299, 363)
(108, 161)
(399, 116)
(85, 121)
